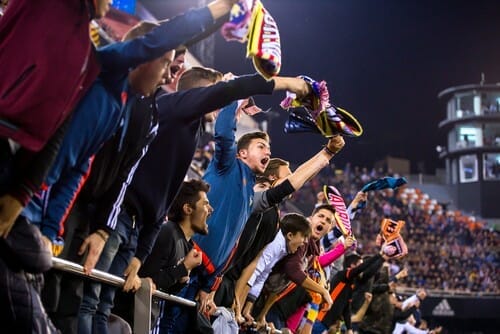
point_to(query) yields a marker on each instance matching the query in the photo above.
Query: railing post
(142, 307)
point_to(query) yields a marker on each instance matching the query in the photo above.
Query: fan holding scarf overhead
(387, 182)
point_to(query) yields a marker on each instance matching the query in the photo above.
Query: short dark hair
(197, 76)
(293, 223)
(180, 50)
(140, 29)
(245, 140)
(260, 179)
(274, 165)
(188, 194)
(351, 259)
(325, 207)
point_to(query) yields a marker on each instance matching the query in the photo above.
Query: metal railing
(104, 277)
(403, 290)
(143, 297)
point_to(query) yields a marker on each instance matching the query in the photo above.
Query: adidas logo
(443, 309)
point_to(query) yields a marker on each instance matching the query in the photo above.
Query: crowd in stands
(101, 167)
(451, 250)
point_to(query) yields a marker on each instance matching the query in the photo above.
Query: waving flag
(335, 199)
(328, 119)
(384, 183)
(250, 22)
(395, 245)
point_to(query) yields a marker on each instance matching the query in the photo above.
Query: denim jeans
(175, 318)
(98, 298)
(63, 292)
(275, 317)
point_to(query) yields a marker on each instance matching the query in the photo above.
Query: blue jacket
(231, 195)
(162, 170)
(103, 109)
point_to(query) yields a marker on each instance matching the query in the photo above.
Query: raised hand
(349, 241)
(335, 144)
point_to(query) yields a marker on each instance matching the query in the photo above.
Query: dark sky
(385, 61)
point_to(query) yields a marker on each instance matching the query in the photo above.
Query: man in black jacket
(174, 255)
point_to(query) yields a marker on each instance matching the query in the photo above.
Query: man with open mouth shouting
(288, 282)
(231, 175)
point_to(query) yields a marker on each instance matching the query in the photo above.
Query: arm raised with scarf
(299, 177)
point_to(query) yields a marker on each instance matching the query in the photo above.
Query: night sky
(385, 61)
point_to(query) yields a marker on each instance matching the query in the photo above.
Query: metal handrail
(104, 277)
(448, 293)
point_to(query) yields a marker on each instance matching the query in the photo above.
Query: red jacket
(46, 65)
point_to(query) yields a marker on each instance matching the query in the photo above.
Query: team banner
(299, 120)
(390, 229)
(395, 245)
(337, 121)
(314, 102)
(264, 46)
(335, 199)
(396, 248)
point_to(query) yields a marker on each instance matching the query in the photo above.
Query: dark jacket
(165, 265)
(113, 169)
(260, 229)
(378, 318)
(342, 287)
(23, 256)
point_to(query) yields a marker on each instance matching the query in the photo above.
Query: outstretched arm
(312, 166)
(296, 180)
(168, 36)
(294, 85)
(327, 258)
(353, 207)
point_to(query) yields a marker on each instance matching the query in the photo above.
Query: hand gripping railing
(142, 305)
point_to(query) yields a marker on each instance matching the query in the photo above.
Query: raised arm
(327, 258)
(196, 102)
(312, 166)
(168, 36)
(61, 198)
(295, 85)
(225, 140)
(360, 197)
